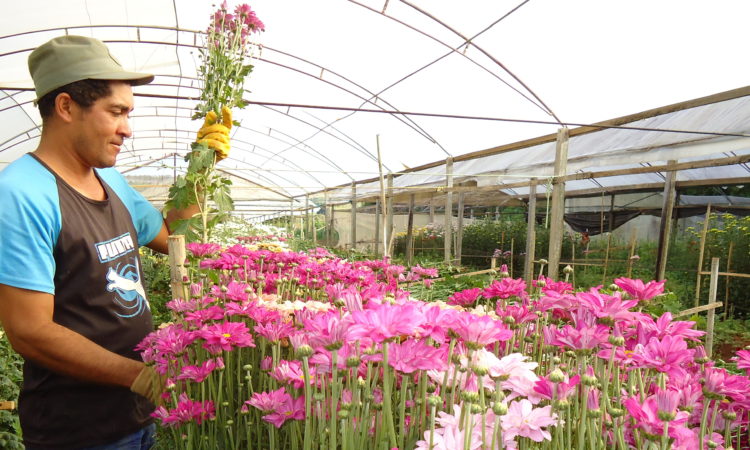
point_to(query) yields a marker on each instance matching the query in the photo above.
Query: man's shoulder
(26, 177)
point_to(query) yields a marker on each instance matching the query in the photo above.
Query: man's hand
(215, 134)
(149, 384)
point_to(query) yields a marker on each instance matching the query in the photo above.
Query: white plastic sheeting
(332, 57)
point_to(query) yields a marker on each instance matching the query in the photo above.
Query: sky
(587, 60)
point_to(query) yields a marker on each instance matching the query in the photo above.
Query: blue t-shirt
(85, 253)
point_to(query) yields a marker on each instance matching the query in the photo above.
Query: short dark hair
(83, 92)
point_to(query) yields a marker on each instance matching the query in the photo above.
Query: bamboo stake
(410, 232)
(447, 233)
(606, 258)
(354, 216)
(632, 251)
(178, 272)
(460, 229)
(382, 201)
(528, 267)
(557, 209)
(726, 285)
(700, 254)
(713, 285)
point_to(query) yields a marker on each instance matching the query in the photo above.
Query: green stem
(387, 398)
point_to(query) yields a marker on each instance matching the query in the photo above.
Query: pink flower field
(303, 350)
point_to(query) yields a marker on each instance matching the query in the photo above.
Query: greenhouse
(419, 225)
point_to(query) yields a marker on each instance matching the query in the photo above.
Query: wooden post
(700, 254)
(606, 257)
(713, 285)
(331, 228)
(354, 217)
(432, 210)
(382, 204)
(291, 217)
(665, 224)
(726, 283)
(460, 229)
(178, 272)
(557, 222)
(376, 249)
(410, 232)
(447, 234)
(326, 229)
(389, 218)
(632, 251)
(528, 266)
(306, 218)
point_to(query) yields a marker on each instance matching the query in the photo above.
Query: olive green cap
(67, 59)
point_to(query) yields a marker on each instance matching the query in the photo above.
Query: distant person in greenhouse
(72, 300)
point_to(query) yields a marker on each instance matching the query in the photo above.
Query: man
(71, 297)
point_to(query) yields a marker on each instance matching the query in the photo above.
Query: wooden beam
(556, 225)
(528, 266)
(354, 216)
(7, 406)
(700, 254)
(713, 286)
(376, 250)
(410, 234)
(177, 271)
(460, 229)
(447, 232)
(389, 218)
(691, 311)
(665, 223)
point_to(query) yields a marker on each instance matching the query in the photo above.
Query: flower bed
(305, 350)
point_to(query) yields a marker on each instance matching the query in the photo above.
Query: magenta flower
(561, 390)
(580, 337)
(665, 326)
(524, 420)
(384, 322)
(412, 355)
(436, 323)
(639, 291)
(268, 401)
(290, 409)
(465, 297)
(186, 411)
(201, 372)
(291, 372)
(505, 288)
(609, 306)
(225, 336)
(742, 358)
(646, 416)
(327, 330)
(550, 285)
(200, 250)
(667, 355)
(721, 383)
(274, 331)
(479, 331)
(197, 318)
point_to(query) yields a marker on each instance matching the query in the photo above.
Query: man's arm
(26, 317)
(159, 243)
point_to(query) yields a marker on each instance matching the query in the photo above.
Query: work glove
(150, 384)
(215, 134)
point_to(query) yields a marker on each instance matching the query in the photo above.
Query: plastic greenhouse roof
(488, 84)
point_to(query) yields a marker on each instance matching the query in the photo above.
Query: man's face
(102, 128)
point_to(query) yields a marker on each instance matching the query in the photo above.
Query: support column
(376, 245)
(354, 217)
(460, 228)
(447, 235)
(665, 224)
(528, 267)
(306, 220)
(389, 218)
(557, 212)
(410, 233)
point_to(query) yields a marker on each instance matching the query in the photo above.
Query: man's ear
(65, 107)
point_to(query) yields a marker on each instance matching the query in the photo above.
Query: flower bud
(729, 415)
(480, 371)
(541, 283)
(476, 408)
(617, 341)
(434, 400)
(304, 351)
(504, 274)
(500, 409)
(613, 287)
(509, 320)
(712, 444)
(352, 361)
(616, 412)
(588, 380)
(543, 261)
(343, 414)
(319, 396)
(224, 289)
(568, 269)
(469, 396)
(666, 416)
(431, 388)
(557, 376)
(595, 413)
